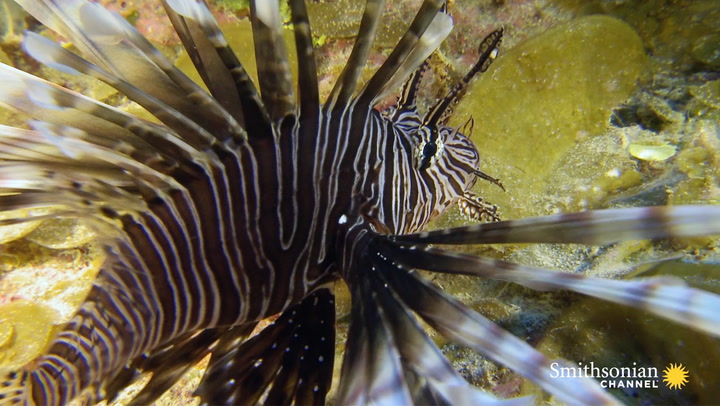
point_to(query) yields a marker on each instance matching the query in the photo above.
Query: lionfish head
(245, 201)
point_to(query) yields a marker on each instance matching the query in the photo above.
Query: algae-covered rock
(544, 95)
(25, 328)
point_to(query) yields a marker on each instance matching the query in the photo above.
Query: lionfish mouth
(244, 202)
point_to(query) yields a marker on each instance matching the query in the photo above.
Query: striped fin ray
(53, 55)
(372, 374)
(112, 43)
(169, 363)
(18, 144)
(454, 320)
(598, 227)
(426, 32)
(348, 80)
(487, 50)
(666, 297)
(288, 362)
(307, 69)
(99, 123)
(378, 378)
(276, 86)
(217, 64)
(400, 363)
(66, 139)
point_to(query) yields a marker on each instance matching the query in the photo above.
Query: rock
(539, 98)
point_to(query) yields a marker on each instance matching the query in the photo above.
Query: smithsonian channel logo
(674, 376)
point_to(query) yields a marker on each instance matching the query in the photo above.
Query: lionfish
(246, 202)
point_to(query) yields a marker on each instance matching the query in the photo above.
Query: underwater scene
(589, 105)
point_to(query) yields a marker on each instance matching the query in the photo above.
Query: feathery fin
(290, 359)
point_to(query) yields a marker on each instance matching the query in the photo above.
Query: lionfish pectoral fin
(288, 362)
(597, 227)
(476, 208)
(666, 297)
(13, 387)
(389, 359)
(466, 327)
(170, 362)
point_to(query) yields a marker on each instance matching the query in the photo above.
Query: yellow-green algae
(40, 289)
(25, 329)
(543, 96)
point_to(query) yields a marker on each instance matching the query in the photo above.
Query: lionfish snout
(245, 201)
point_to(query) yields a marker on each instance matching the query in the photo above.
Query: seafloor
(591, 104)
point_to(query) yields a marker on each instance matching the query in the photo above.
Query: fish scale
(248, 202)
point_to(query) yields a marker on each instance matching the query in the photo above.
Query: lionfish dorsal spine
(428, 29)
(219, 67)
(347, 82)
(275, 80)
(488, 51)
(307, 69)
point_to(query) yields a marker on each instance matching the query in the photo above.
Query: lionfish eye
(428, 152)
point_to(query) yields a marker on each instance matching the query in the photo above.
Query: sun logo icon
(676, 376)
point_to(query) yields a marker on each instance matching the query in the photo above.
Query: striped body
(252, 250)
(245, 203)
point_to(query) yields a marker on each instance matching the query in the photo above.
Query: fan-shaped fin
(422, 371)
(169, 363)
(666, 297)
(289, 361)
(464, 326)
(114, 45)
(386, 384)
